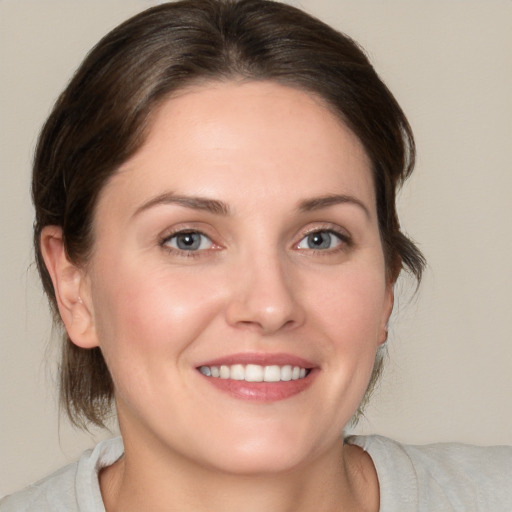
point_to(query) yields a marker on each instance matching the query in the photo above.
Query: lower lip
(262, 391)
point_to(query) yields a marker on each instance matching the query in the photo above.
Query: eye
(188, 241)
(321, 240)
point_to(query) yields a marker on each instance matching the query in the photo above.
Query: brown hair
(103, 115)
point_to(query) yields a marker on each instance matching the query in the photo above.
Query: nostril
(289, 324)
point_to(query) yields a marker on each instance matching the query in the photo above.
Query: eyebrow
(310, 205)
(196, 203)
(220, 208)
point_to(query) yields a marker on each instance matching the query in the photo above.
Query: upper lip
(262, 359)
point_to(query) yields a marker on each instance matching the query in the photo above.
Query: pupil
(319, 240)
(188, 241)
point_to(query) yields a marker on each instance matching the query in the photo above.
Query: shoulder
(443, 476)
(55, 492)
(73, 488)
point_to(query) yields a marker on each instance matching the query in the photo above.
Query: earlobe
(388, 309)
(384, 335)
(71, 289)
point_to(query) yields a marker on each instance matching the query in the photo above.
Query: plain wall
(449, 372)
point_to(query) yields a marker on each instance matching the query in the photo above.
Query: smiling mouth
(255, 372)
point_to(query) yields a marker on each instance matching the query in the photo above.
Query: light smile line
(255, 372)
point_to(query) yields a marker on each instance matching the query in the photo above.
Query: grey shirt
(432, 478)
(440, 477)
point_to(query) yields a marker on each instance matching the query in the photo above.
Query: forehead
(253, 140)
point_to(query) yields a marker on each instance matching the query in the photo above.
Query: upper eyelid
(328, 227)
(185, 227)
(165, 245)
(166, 238)
(184, 231)
(335, 232)
(307, 230)
(344, 236)
(344, 239)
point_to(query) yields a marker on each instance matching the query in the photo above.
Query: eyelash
(345, 242)
(183, 252)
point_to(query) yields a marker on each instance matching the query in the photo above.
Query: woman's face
(241, 240)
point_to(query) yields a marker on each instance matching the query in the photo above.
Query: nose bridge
(264, 295)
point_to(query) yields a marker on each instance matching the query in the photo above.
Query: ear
(72, 289)
(389, 299)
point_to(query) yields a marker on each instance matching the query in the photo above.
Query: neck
(342, 479)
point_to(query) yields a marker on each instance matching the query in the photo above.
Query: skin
(254, 286)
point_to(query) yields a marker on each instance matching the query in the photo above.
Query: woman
(216, 227)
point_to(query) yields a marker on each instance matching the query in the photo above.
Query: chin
(262, 454)
(260, 462)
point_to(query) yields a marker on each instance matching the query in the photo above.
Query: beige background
(450, 65)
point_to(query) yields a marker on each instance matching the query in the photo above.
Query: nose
(264, 297)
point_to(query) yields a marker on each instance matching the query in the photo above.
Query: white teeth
(286, 373)
(272, 374)
(224, 372)
(255, 372)
(237, 372)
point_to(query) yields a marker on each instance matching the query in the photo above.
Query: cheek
(345, 321)
(349, 314)
(351, 305)
(145, 316)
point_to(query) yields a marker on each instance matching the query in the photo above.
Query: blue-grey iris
(188, 241)
(320, 240)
